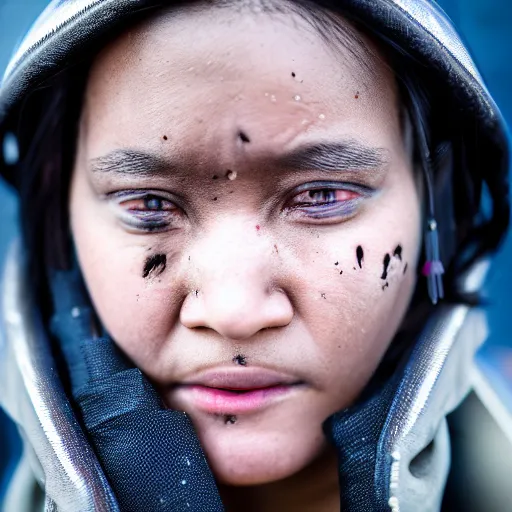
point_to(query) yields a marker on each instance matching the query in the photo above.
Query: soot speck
(360, 256)
(385, 263)
(240, 359)
(398, 252)
(154, 265)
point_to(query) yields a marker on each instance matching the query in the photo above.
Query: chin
(250, 453)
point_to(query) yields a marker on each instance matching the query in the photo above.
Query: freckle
(357, 95)
(337, 263)
(214, 177)
(323, 296)
(398, 252)
(164, 137)
(154, 265)
(354, 268)
(231, 175)
(258, 227)
(341, 272)
(189, 258)
(385, 286)
(275, 247)
(360, 256)
(405, 268)
(293, 74)
(215, 199)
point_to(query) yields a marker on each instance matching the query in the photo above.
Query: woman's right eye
(149, 203)
(146, 211)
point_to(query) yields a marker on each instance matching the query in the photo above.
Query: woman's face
(247, 222)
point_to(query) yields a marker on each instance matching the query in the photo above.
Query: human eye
(327, 201)
(147, 211)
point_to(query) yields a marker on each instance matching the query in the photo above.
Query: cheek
(353, 294)
(128, 277)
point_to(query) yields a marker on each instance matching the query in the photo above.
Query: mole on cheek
(154, 266)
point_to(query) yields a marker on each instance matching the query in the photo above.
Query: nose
(238, 292)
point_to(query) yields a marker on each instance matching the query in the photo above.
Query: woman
(264, 215)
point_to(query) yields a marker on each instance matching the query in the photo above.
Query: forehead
(212, 63)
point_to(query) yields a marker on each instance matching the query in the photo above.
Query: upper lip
(240, 378)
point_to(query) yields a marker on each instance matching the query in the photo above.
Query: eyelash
(150, 212)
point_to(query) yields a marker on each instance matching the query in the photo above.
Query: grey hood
(438, 373)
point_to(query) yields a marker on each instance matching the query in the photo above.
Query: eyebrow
(349, 155)
(131, 162)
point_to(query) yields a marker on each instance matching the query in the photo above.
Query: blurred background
(486, 27)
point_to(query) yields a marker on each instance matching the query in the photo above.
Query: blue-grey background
(486, 26)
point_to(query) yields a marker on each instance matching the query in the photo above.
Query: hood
(436, 376)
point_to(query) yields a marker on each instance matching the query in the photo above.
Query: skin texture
(246, 272)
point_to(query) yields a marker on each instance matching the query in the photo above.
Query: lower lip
(221, 401)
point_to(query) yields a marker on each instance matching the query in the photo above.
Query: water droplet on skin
(183, 482)
(321, 116)
(191, 68)
(266, 94)
(273, 99)
(209, 62)
(297, 97)
(304, 121)
(231, 175)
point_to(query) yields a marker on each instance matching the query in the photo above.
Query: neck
(313, 489)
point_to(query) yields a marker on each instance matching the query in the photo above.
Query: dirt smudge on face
(385, 263)
(230, 419)
(398, 252)
(240, 360)
(360, 256)
(154, 266)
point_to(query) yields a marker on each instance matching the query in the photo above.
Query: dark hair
(48, 148)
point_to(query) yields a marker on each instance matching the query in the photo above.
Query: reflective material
(53, 18)
(414, 445)
(68, 468)
(433, 20)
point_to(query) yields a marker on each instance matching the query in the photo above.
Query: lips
(234, 391)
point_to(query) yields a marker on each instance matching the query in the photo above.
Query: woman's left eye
(327, 202)
(323, 197)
